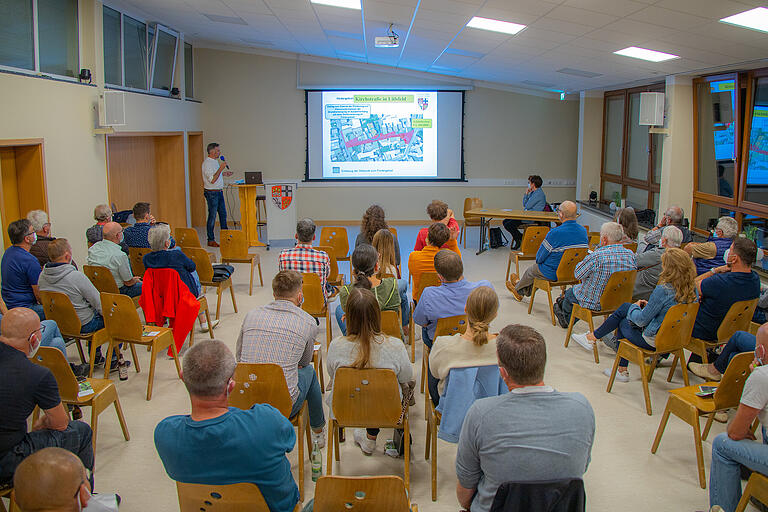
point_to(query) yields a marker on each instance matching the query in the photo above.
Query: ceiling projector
(391, 40)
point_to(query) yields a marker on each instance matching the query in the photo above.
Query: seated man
(741, 341)
(672, 217)
(107, 253)
(42, 227)
(438, 211)
(218, 444)
(721, 286)
(533, 433)
(567, 235)
(708, 255)
(138, 234)
(649, 262)
(594, 272)
(534, 200)
(101, 214)
(304, 259)
(282, 333)
(735, 449)
(20, 270)
(424, 260)
(24, 385)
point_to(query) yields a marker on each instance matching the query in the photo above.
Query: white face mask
(34, 238)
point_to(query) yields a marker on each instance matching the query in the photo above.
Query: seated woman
(365, 265)
(639, 322)
(384, 243)
(373, 222)
(628, 221)
(366, 347)
(476, 347)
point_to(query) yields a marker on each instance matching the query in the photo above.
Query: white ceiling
(561, 34)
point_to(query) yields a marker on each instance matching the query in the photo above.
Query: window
(631, 155)
(189, 82)
(51, 47)
(113, 65)
(164, 59)
(135, 53)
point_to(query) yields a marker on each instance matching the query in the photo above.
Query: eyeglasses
(41, 329)
(30, 233)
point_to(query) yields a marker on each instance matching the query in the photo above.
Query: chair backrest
(676, 328)
(569, 260)
(233, 244)
(335, 237)
(54, 360)
(124, 224)
(220, 498)
(451, 325)
(102, 278)
(136, 255)
(334, 265)
(631, 246)
(728, 392)
(586, 226)
(121, 318)
(594, 241)
(202, 262)
(187, 237)
(738, 318)
(360, 494)
(314, 300)
(390, 323)
(260, 383)
(393, 231)
(366, 398)
(470, 203)
(427, 279)
(618, 290)
(532, 239)
(58, 307)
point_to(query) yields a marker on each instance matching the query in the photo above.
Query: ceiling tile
(562, 27)
(714, 9)
(582, 16)
(668, 18)
(614, 7)
(537, 7)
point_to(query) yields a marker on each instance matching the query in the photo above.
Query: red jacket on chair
(164, 295)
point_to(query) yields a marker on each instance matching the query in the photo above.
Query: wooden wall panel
(171, 206)
(199, 209)
(131, 171)
(30, 174)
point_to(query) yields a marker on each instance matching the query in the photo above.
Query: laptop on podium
(253, 178)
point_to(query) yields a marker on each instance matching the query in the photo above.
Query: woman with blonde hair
(365, 346)
(476, 347)
(639, 322)
(385, 244)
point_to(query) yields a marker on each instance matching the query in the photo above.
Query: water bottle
(317, 462)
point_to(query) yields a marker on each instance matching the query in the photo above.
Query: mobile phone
(705, 391)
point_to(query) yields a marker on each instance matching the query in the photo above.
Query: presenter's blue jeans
(309, 390)
(725, 474)
(216, 204)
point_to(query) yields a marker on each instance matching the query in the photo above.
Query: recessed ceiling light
(756, 19)
(347, 4)
(646, 54)
(495, 25)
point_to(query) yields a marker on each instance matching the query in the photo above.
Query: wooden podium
(248, 215)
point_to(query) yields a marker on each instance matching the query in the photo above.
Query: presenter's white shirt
(210, 166)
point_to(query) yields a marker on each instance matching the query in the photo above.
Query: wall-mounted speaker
(652, 108)
(112, 108)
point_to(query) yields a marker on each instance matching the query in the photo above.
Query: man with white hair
(710, 254)
(594, 272)
(649, 262)
(42, 227)
(672, 217)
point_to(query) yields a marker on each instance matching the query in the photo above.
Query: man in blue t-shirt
(20, 270)
(217, 444)
(534, 200)
(721, 286)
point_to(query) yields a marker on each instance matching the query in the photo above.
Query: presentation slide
(384, 135)
(757, 169)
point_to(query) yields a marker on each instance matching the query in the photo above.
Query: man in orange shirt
(438, 211)
(424, 260)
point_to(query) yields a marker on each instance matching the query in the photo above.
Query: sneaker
(204, 326)
(319, 437)
(716, 508)
(721, 416)
(368, 446)
(582, 340)
(513, 279)
(703, 371)
(610, 341)
(620, 376)
(390, 450)
(212, 243)
(561, 317)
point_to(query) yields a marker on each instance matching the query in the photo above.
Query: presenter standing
(213, 181)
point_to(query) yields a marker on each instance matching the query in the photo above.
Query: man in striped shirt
(304, 259)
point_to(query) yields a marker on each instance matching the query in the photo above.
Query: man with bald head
(565, 236)
(24, 385)
(51, 480)
(674, 216)
(108, 253)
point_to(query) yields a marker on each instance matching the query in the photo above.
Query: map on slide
(377, 138)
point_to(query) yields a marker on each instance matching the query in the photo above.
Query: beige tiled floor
(623, 474)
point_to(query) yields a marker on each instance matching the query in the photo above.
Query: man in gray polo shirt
(533, 433)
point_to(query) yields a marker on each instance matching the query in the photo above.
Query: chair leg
(250, 286)
(683, 367)
(261, 279)
(509, 265)
(433, 428)
(121, 418)
(594, 345)
(336, 445)
(218, 301)
(530, 301)
(152, 360)
(175, 354)
(570, 327)
(208, 319)
(646, 392)
(613, 373)
(412, 336)
(329, 456)
(699, 453)
(300, 442)
(94, 424)
(328, 327)
(551, 306)
(232, 293)
(745, 496)
(707, 426)
(108, 360)
(79, 345)
(133, 354)
(662, 426)
(423, 378)
(407, 454)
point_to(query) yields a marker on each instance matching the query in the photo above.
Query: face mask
(33, 349)
(34, 238)
(661, 245)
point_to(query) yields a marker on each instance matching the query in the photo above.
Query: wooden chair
(391, 323)
(672, 336)
(753, 327)
(334, 277)
(470, 203)
(684, 404)
(447, 326)
(104, 390)
(594, 241)
(617, 291)
(426, 280)
(264, 383)
(59, 308)
(205, 271)
(368, 398)
(631, 246)
(103, 280)
(586, 226)
(317, 361)
(336, 237)
(738, 318)
(532, 239)
(187, 237)
(757, 488)
(362, 494)
(220, 498)
(7, 492)
(124, 326)
(315, 303)
(136, 256)
(124, 224)
(234, 249)
(393, 231)
(565, 270)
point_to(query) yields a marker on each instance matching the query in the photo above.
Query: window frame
(741, 186)
(191, 70)
(153, 60)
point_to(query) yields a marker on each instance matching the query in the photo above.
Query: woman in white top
(365, 346)
(476, 347)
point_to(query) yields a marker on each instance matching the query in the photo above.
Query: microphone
(223, 160)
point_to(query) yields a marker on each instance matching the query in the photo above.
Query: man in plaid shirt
(594, 272)
(304, 259)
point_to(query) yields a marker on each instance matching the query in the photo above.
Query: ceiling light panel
(646, 54)
(756, 19)
(578, 72)
(346, 4)
(504, 27)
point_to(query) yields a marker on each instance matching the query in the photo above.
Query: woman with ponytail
(365, 346)
(476, 347)
(386, 245)
(365, 265)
